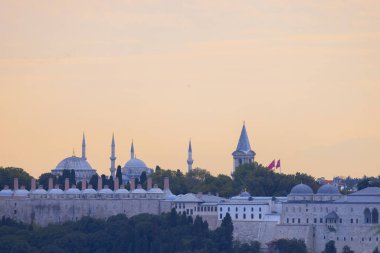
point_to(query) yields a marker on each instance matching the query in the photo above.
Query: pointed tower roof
(132, 147)
(190, 149)
(113, 140)
(243, 144)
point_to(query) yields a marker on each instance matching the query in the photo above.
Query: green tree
(8, 174)
(44, 180)
(293, 245)
(330, 247)
(347, 249)
(72, 178)
(94, 181)
(376, 250)
(119, 176)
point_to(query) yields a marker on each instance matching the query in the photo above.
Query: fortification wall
(45, 211)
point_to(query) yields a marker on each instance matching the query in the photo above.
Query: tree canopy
(144, 233)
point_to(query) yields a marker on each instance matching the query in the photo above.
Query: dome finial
(73, 152)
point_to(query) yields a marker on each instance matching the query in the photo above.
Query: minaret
(132, 151)
(84, 148)
(113, 158)
(190, 158)
(243, 153)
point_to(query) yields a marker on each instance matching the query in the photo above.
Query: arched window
(367, 216)
(240, 162)
(375, 216)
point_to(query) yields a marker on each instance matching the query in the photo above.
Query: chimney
(67, 185)
(116, 184)
(149, 184)
(50, 183)
(166, 183)
(132, 184)
(84, 184)
(99, 183)
(32, 184)
(15, 183)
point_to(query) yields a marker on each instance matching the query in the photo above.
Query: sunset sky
(303, 75)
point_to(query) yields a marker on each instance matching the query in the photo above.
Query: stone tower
(190, 158)
(243, 153)
(113, 158)
(84, 148)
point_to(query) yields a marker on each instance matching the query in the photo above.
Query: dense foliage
(330, 247)
(8, 173)
(293, 246)
(143, 233)
(256, 179)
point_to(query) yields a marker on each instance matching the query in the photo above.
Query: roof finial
(73, 152)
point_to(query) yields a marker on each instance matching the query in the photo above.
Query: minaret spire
(132, 151)
(84, 148)
(113, 157)
(190, 158)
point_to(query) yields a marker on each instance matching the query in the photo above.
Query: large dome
(301, 189)
(81, 167)
(135, 163)
(328, 189)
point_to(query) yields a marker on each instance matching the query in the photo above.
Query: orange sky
(304, 75)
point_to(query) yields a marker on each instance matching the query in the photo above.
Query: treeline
(144, 233)
(255, 178)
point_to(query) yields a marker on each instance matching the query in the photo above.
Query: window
(220, 209)
(299, 220)
(352, 221)
(307, 220)
(287, 220)
(236, 216)
(244, 216)
(251, 215)
(236, 209)
(352, 239)
(220, 216)
(260, 216)
(228, 209)
(244, 209)
(191, 211)
(208, 209)
(292, 220)
(337, 238)
(340, 220)
(252, 209)
(320, 220)
(344, 238)
(315, 220)
(260, 209)
(357, 220)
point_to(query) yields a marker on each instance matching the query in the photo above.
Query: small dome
(135, 163)
(73, 191)
(139, 190)
(106, 190)
(328, 189)
(55, 191)
(122, 191)
(6, 192)
(301, 189)
(89, 191)
(39, 191)
(155, 190)
(21, 192)
(245, 194)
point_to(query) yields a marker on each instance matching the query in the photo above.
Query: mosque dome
(301, 189)
(328, 189)
(6, 192)
(135, 163)
(21, 192)
(81, 167)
